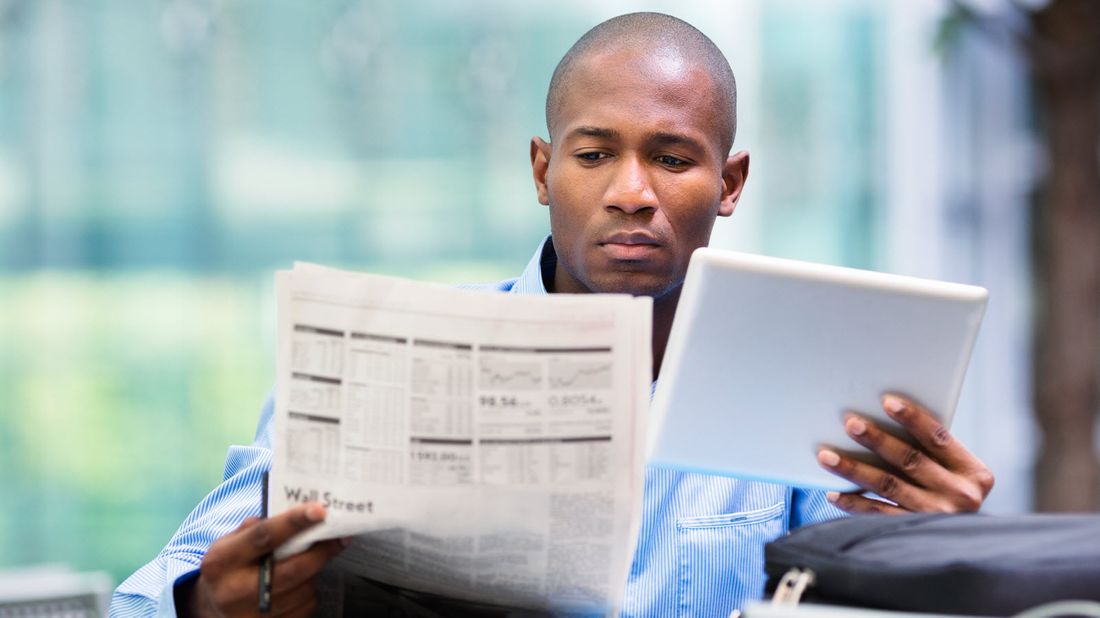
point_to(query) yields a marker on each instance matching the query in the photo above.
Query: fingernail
(828, 458)
(315, 512)
(832, 496)
(856, 426)
(893, 404)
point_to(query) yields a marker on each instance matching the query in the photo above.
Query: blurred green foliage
(121, 394)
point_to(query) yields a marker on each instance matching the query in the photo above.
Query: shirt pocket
(722, 558)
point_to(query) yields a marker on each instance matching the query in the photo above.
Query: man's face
(636, 174)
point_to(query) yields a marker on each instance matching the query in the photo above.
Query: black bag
(959, 564)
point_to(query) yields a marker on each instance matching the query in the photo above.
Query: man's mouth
(635, 245)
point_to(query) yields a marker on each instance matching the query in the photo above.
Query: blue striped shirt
(700, 550)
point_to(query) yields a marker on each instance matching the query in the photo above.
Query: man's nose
(630, 189)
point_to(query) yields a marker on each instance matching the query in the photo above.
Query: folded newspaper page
(481, 446)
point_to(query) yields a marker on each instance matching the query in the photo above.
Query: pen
(267, 564)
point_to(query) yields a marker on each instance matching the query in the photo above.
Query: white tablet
(766, 355)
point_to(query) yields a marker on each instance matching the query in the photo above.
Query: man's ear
(540, 163)
(734, 174)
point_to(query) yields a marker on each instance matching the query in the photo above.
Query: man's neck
(664, 310)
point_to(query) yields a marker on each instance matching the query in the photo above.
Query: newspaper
(480, 446)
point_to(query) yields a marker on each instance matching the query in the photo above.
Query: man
(641, 120)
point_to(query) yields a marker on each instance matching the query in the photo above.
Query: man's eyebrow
(661, 138)
(587, 131)
(675, 139)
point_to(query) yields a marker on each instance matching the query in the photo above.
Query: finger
(221, 557)
(855, 503)
(233, 592)
(906, 458)
(238, 589)
(877, 480)
(230, 568)
(930, 433)
(301, 568)
(249, 544)
(298, 601)
(940, 444)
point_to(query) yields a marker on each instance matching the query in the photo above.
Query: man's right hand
(228, 581)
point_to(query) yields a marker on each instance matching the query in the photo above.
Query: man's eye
(592, 156)
(671, 161)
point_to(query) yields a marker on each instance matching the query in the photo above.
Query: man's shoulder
(499, 286)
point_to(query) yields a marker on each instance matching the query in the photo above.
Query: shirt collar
(538, 271)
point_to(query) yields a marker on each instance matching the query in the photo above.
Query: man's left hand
(939, 474)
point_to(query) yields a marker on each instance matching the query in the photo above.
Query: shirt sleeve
(809, 506)
(150, 590)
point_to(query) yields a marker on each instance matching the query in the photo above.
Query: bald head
(655, 35)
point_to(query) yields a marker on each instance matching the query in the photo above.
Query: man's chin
(637, 284)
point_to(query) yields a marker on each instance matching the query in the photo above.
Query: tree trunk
(1065, 60)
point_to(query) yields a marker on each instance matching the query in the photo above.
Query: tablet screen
(766, 355)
